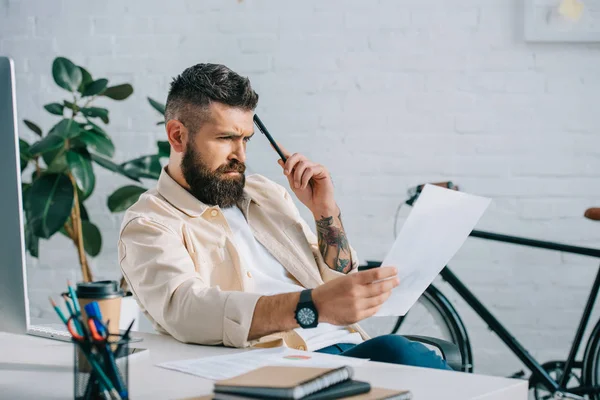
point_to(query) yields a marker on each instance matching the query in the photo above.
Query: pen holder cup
(100, 370)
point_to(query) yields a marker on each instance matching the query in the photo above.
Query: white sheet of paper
(434, 231)
(230, 365)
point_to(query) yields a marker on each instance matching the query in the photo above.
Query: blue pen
(93, 311)
(95, 315)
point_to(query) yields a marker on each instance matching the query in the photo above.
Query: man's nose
(239, 152)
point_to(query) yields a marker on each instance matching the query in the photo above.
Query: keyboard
(51, 332)
(59, 332)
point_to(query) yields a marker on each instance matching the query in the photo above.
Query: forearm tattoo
(333, 243)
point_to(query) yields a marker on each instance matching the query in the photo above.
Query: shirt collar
(184, 201)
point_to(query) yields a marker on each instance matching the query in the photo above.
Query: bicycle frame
(536, 368)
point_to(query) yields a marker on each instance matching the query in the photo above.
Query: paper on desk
(434, 231)
(230, 365)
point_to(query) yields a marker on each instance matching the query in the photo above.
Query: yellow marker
(571, 9)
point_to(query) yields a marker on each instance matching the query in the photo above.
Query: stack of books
(279, 382)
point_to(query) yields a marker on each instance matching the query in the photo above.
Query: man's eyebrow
(235, 134)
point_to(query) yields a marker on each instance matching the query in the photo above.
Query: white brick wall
(388, 95)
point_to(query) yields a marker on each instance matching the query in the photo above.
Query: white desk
(37, 368)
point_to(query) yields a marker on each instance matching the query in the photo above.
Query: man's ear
(177, 134)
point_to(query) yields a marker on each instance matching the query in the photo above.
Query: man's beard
(213, 187)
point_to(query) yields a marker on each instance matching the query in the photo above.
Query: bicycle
(552, 379)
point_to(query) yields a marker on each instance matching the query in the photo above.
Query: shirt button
(249, 274)
(214, 213)
(303, 348)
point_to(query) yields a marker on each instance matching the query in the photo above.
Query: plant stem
(69, 229)
(37, 167)
(77, 231)
(87, 103)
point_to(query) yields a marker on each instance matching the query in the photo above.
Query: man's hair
(198, 86)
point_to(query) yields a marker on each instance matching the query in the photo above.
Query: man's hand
(310, 182)
(352, 298)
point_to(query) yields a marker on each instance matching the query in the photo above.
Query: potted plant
(63, 159)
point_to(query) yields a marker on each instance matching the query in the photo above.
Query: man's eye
(247, 139)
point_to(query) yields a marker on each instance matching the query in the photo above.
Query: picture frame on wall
(562, 20)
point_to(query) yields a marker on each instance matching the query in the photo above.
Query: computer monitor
(14, 302)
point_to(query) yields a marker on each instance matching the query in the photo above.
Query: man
(215, 258)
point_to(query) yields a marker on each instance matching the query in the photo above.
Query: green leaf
(95, 87)
(49, 204)
(124, 197)
(164, 148)
(32, 242)
(144, 167)
(119, 92)
(66, 74)
(24, 153)
(54, 108)
(90, 125)
(83, 212)
(46, 144)
(92, 238)
(72, 106)
(55, 160)
(100, 142)
(111, 166)
(86, 79)
(66, 128)
(96, 112)
(157, 106)
(36, 129)
(80, 165)
(24, 188)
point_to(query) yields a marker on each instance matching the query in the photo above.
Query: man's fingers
(369, 312)
(301, 167)
(291, 162)
(308, 173)
(375, 274)
(375, 301)
(379, 288)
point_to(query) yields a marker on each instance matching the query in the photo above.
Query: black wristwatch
(306, 314)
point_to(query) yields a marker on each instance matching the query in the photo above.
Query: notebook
(279, 382)
(374, 394)
(341, 390)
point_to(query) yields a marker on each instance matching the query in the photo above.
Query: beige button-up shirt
(180, 261)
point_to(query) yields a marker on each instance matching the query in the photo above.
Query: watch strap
(305, 296)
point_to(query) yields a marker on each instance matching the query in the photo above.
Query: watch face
(306, 316)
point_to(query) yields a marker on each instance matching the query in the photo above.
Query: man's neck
(174, 171)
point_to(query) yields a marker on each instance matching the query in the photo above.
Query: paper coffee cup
(108, 295)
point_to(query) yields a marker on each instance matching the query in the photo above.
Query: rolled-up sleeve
(162, 276)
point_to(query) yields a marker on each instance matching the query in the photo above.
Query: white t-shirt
(272, 278)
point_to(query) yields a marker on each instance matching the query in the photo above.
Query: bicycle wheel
(591, 362)
(432, 315)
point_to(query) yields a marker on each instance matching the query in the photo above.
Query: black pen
(265, 132)
(124, 338)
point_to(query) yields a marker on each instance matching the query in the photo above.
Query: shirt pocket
(204, 255)
(219, 269)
